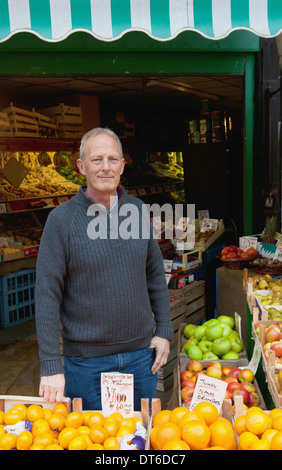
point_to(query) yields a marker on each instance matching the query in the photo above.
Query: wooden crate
(23, 123)
(8, 401)
(68, 119)
(5, 128)
(47, 126)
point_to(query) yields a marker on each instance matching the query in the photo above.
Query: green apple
(225, 319)
(226, 330)
(199, 332)
(221, 346)
(188, 330)
(211, 322)
(205, 345)
(209, 356)
(190, 341)
(234, 334)
(213, 332)
(231, 355)
(237, 345)
(194, 352)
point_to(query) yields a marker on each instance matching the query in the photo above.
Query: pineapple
(269, 235)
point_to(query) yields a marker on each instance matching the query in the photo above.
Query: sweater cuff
(51, 367)
(164, 331)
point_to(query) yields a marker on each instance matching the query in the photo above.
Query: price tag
(168, 278)
(168, 265)
(117, 393)
(209, 389)
(248, 242)
(209, 224)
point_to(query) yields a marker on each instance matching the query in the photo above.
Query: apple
(211, 322)
(227, 395)
(187, 392)
(237, 345)
(226, 330)
(188, 383)
(230, 379)
(246, 375)
(214, 363)
(188, 330)
(213, 332)
(235, 372)
(195, 366)
(231, 356)
(194, 352)
(199, 332)
(277, 348)
(221, 346)
(280, 378)
(226, 371)
(205, 345)
(232, 386)
(186, 374)
(234, 334)
(209, 356)
(248, 386)
(273, 333)
(254, 399)
(228, 320)
(188, 402)
(243, 393)
(214, 372)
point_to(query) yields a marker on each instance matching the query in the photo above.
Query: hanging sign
(117, 393)
(209, 389)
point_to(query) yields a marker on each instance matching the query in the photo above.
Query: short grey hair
(98, 131)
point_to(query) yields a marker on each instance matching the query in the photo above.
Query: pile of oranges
(59, 429)
(200, 429)
(259, 430)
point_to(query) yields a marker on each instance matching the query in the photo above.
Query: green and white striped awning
(108, 20)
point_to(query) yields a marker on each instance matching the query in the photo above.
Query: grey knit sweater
(109, 294)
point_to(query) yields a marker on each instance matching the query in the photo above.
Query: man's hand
(162, 348)
(52, 387)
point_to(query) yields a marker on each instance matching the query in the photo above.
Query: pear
(263, 284)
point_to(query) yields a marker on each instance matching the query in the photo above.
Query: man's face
(102, 165)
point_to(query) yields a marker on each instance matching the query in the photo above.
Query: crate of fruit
(23, 122)
(68, 119)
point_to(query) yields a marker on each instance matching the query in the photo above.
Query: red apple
(235, 373)
(186, 374)
(248, 386)
(188, 402)
(243, 393)
(195, 366)
(254, 399)
(273, 333)
(232, 255)
(277, 347)
(214, 364)
(230, 379)
(227, 396)
(226, 371)
(232, 386)
(246, 375)
(188, 383)
(187, 392)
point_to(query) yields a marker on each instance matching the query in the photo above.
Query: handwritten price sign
(117, 393)
(209, 389)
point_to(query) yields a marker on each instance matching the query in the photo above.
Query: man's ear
(80, 166)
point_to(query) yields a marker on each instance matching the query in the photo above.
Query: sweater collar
(83, 198)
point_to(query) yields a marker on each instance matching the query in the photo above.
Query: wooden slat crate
(5, 128)
(47, 126)
(23, 123)
(68, 118)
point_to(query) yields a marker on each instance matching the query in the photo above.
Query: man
(101, 287)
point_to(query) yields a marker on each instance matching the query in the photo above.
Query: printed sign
(117, 393)
(248, 242)
(209, 389)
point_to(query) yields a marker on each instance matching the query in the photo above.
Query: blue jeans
(83, 376)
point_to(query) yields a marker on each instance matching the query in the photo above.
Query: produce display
(21, 230)
(269, 233)
(240, 381)
(35, 428)
(214, 339)
(272, 341)
(234, 253)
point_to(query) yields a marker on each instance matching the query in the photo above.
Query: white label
(117, 393)
(209, 389)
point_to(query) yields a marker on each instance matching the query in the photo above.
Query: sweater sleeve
(50, 272)
(158, 291)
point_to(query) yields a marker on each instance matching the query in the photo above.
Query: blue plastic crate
(18, 280)
(211, 254)
(16, 314)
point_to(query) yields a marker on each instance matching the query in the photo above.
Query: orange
(166, 432)
(222, 434)
(111, 443)
(21, 407)
(13, 417)
(66, 435)
(74, 419)
(196, 434)
(275, 412)
(98, 434)
(129, 422)
(56, 422)
(276, 441)
(246, 440)
(8, 441)
(257, 422)
(191, 416)
(40, 426)
(240, 425)
(2, 429)
(45, 439)
(123, 431)
(153, 437)
(2, 414)
(24, 440)
(117, 416)
(176, 444)
(96, 417)
(162, 417)
(268, 435)
(60, 409)
(37, 447)
(78, 443)
(86, 415)
(54, 447)
(47, 413)
(95, 447)
(261, 444)
(277, 423)
(111, 426)
(83, 430)
(34, 412)
(207, 411)
(177, 414)
(215, 448)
